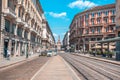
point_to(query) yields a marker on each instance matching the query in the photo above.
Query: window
(112, 29)
(106, 20)
(92, 14)
(86, 22)
(26, 34)
(113, 12)
(107, 29)
(99, 30)
(113, 20)
(11, 4)
(99, 39)
(32, 38)
(86, 39)
(106, 13)
(87, 31)
(87, 16)
(19, 32)
(7, 25)
(93, 39)
(13, 28)
(92, 30)
(19, 12)
(98, 21)
(99, 14)
(92, 21)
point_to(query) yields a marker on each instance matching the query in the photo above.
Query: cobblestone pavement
(23, 71)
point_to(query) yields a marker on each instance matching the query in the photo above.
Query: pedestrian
(8, 55)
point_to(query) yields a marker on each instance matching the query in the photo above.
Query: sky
(59, 13)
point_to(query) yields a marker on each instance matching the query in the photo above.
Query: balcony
(9, 12)
(33, 30)
(26, 25)
(20, 21)
(20, 2)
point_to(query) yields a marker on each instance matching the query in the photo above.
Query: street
(90, 69)
(23, 71)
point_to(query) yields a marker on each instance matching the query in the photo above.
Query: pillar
(101, 48)
(15, 51)
(108, 48)
(2, 35)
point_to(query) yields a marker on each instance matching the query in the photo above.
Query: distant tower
(58, 44)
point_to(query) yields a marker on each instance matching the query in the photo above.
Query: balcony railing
(9, 12)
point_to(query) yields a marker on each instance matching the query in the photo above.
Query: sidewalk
(55, 69)
(99, 58)
(13, 60)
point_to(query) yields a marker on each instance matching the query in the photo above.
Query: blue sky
(59, 13)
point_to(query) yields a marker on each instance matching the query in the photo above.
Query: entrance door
(5, 48)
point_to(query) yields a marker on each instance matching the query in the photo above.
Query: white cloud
(55, 35)
(58, 15)
(81, 4)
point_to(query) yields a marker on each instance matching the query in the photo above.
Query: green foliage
(98, 52)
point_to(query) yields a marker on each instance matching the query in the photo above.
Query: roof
(109, 40)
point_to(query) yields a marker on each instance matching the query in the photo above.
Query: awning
(109, 40)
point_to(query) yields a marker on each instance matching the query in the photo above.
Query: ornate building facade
(58, 44)
(48, 40)
(118, 29)
(66, 44)
(89, 26)
(21, 27)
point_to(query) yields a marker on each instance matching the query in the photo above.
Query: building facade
(66, 43)
(58, 45)
(118, 29)
(21, 27)
(48, 40)
(89, 26)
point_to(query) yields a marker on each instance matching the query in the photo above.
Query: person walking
(8, 55)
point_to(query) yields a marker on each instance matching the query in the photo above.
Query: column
(15, 31)
(15, 51)
(2, 35)
(9, 45)
(23, 32)
(108, 47)
(29, 35)
(102, 48)
(19, 49)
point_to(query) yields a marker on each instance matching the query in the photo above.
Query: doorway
(5, 47)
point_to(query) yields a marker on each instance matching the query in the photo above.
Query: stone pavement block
(56, 69)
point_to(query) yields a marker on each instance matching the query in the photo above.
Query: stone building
(48, 40)
(118, 29)
(21, 27)
(94, 24)
(58, 44)
(66, 41)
